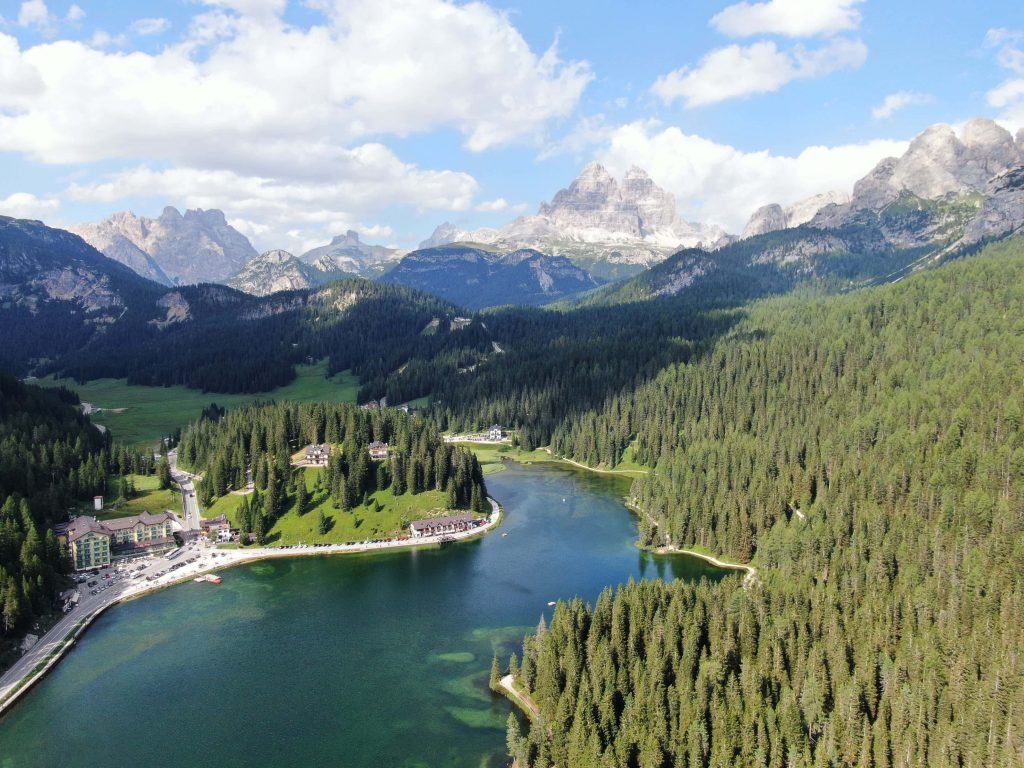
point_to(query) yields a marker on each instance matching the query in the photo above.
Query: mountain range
(174, 249)
(345, 256)
(950, 190)
(477, 277)
(610, 228)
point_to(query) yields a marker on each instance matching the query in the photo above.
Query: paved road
(126, 584)
(190, 505)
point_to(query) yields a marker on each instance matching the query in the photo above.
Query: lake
(368, 660)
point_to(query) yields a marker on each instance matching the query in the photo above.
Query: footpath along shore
(52, 646)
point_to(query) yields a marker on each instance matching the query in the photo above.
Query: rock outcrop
(348, 255)
(194, 247)
(773, 217)
(608, 227)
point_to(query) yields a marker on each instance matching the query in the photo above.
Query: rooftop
(433, 522)
(82, 525)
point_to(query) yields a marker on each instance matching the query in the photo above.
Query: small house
(495, 433)
(378, 450)
(318, 454)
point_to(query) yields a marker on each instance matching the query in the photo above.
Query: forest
(865, 452)
(259, 441)
(51, 458)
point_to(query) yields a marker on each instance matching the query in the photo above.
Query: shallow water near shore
(376, 660)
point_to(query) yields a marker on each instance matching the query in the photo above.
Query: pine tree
(495, 680)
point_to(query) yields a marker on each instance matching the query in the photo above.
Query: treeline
(259, 441)
(51, 458)
(867, 452)
(220, 340)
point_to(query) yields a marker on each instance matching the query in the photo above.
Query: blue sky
(302, 119)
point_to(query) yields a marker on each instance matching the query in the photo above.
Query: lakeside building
(318, 454)
(94, 543)
(496, 432)
(440, 525)
(378, 450)
(219, 528)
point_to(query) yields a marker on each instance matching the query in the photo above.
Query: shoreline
(63, 641)
(520, 699)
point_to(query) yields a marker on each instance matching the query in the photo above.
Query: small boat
(211, 578)
(551, 603)
(504, 535)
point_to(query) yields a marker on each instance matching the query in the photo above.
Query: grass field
(149, 498)
(363, 522)
(152, 412)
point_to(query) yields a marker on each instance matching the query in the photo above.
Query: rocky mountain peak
(767, 218)
(276, 256)
(940, 162)
(199, 246)
(351, 237)
(170, 213)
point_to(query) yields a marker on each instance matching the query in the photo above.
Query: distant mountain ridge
(348, 254)
(194, 247)
(946, 194)
(475, 277)
(610, 228)
(278, 270)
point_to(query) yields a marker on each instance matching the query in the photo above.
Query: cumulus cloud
(894, 102)
(147, 27)
(793, 18)
(75, 13)
(24, 205)
(34, 13)
(1008, 96)
(370, 68)
(276, 211)
(251, 113)
(738, 71)
(720, 184)
(20, 82)
(493, 206)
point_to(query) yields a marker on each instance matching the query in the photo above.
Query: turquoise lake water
(378, 660)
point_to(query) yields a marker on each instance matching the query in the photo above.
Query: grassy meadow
(148, 498)
(141, 415)
(363, 522)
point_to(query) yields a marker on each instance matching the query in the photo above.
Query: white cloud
(103, 39)
(20, 82)
(588, 131)
(793, 18)
(1008, 96)
(894, 102)
(720, 184)
(275, 211)
(34, 13)
(737, 71)
(24, 205)
(75, 13)
(258, 116)
(493, 206)
(146, 27)
(371, 68)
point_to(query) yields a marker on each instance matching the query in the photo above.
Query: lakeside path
(522, 700)
(627, 472)
(749, 580)
(51, 647)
